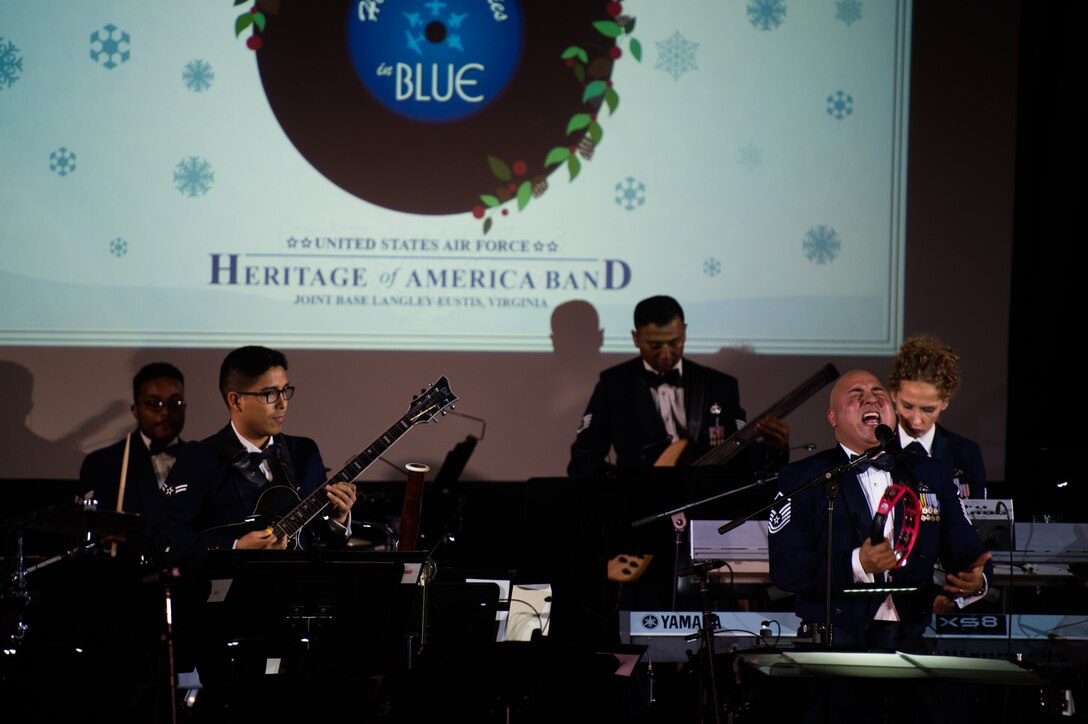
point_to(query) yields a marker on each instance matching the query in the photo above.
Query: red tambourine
(912, 516)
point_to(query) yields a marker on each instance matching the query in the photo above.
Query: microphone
(884, 434)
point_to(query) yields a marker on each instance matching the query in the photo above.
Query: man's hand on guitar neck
(342, 497)
(774, 431)
(261, 539)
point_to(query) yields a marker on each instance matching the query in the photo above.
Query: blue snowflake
(110, 46)
(432, 29)
(766, 14)
(840, 105)
(676, 55)
(62, 161)
(821, 244)
(193, 176)
(198, 75)
(848, 11)
(712, 267)
(11, 63)
(630, 193)
(118, 247)
(750, 156)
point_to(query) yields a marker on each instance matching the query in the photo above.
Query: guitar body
(626, 568)
(274, 503)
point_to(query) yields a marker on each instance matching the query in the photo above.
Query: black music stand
(311, 614)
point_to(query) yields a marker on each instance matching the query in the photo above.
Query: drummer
(135, 467)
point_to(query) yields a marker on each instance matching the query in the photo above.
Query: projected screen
(440, 175)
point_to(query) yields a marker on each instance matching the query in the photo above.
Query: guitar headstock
(431, 402)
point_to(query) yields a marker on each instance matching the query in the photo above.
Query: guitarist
(248, 466)
(640, 407)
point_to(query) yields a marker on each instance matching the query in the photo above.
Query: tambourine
(912, 516)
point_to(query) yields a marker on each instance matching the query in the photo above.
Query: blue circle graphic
(435, 60)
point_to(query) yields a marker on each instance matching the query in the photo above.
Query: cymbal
(76, 519)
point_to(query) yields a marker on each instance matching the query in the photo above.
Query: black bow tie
(158, 447)
(271, 452)
(884, 462)
(672, 377)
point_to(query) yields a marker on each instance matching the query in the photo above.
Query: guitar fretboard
(312, 505)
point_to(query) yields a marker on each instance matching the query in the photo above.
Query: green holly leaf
(636, 49)
(244, 21)
(612, 99)
(525, 193)
(596, 132)
(499, 168)
(580, 72)
(594, 89)
(630, 27)
(557, 155)
(577, 122)
(575, 52)
(239, 2)
(489, 200)
(608, 28)
(574, 166)
(487, 224)
(259, 20)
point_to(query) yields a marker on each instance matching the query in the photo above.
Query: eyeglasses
(270, 396)
(172, 405)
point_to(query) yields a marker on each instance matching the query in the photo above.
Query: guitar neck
(312, 505)
(736, 442)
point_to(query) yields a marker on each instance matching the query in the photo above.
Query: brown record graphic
(418, 166)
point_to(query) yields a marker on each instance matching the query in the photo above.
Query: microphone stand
(708, 681)
(829, 480)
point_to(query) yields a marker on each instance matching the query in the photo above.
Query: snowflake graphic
(62, 161)
(193, 176)
(848, 11)
(430, 27)
(712, 267)
(198, 75)
(766, 14)
(118, 247)
(630, 193)
(110, 46)
(821, 244)
(750, 156)
(840, 105)
(11, 63)
(676, 55)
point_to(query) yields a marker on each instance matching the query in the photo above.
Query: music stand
(310, 614)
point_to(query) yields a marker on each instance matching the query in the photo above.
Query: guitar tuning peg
(415, 397)
(422, 390)
(443, 413)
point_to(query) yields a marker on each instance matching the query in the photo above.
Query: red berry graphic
(254, 42)
(505, 212)
(614, 9)
(478, 211)
(512, 186)
(570, 62)
(614, 53)
(254, 10)
(520, 168)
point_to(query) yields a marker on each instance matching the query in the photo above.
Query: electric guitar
(268, 511)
